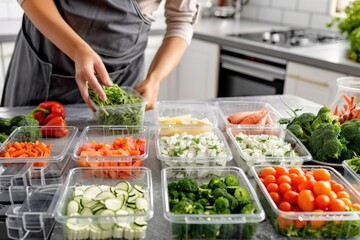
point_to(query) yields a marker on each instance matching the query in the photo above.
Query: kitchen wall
(298, 13)
(10, 17)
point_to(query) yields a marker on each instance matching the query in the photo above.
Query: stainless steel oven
(245, 73)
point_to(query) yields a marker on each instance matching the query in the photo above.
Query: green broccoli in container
(350, 130)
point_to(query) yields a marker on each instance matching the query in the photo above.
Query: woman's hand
(87, 64)
(149, 89)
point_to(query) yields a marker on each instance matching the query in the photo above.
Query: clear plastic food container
(227, 108)
(214, 226)
(245, 161)
(351, 175)
(34, 218)
(103, 220)
(44, 134)
(132, 143)
(184, 112)
(196, 153)
(124, 114)
(319, 225)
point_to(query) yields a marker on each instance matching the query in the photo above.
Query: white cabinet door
(6, 50)
(318, 85)
(197, 73)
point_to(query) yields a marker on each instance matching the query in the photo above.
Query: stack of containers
(34, 159)
(190, 145)
(109, 195)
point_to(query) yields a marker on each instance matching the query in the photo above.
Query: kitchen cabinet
(195, 77)
(6, 50)
(315, 84)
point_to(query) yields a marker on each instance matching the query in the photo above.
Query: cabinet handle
(301, 79)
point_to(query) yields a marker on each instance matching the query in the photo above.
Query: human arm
(180, 17)
(165, 60)
(47, 19)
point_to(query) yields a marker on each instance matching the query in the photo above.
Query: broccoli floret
(350, 130)
(197, 209)
(325, 142)
(17, 119)
(172, 186)
(173, 202)
(210, 231)
(305, 120)
(3, 137)
(5, 125)
(187, 185)
(324, 116)
(174, 194)
(219, 192)
(30, 134)
(248, 208)
(183, 207)
(243, 202)
(205, 193)
(221, 205)
(203, 201)
(227, 231)
(191, 196)
(216, 182)
(232, 201)
(297, 130)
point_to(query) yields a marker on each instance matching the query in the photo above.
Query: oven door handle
(252, 69)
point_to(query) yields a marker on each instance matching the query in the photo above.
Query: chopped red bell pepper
(47, 111)
(55, 128)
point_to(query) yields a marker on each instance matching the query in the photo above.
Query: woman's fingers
(82, 84)
(102, 73)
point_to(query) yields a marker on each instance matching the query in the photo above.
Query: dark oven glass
(233, 84)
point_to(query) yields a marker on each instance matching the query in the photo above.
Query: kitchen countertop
(79, 115)
(330, 56)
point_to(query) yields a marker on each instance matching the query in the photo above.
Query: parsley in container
(123, 106)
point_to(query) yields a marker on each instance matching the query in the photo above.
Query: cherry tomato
(356, 206)
(337, 205)
(296, 170)
(292, 176)
(306, 201)
(299, 223)
(332, 195)
(322, 201)
(284, 187)
(342, 194)
(321, 187)
(308, 185)
(309, 177)
(280, 170)
(317, 223)
(285, 206)
(291, 197)
(267, 171)
(275, 196)
(262, 180)
(283, 179)
(332, 183)
(299, 180)
(322, 175)
(272, 187)
(269, 179)
(283, 222)
(338, 188)
(347, 202)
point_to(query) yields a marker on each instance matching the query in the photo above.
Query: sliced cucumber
(109, 222)
(78, 199)
(92, 192)
(104, 195)
(114, 203)
(139, 189)
(118, 232)
(121, 222)
(142, 204)
(97, 207)
(78, 192)
(120, 192)
(72, 207)
(140, 222)
(128, 233)
(124, 185)
(90, 204)
(86, 211)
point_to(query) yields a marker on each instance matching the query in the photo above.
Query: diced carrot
(11, 150)
(17, 146)
(17, 153)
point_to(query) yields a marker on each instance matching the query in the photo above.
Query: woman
(66, 45)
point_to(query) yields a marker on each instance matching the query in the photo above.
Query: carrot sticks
(260, 117)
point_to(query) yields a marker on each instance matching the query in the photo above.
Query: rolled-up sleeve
(180, 17)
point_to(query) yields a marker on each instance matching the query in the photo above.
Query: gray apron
(39, 71)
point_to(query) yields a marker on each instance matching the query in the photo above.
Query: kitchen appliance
(294, 37)
(245, 73)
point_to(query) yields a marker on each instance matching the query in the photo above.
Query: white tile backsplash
(270, 15)
(317, 6)
(286, 4)
(299, 19)
(302, 13)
